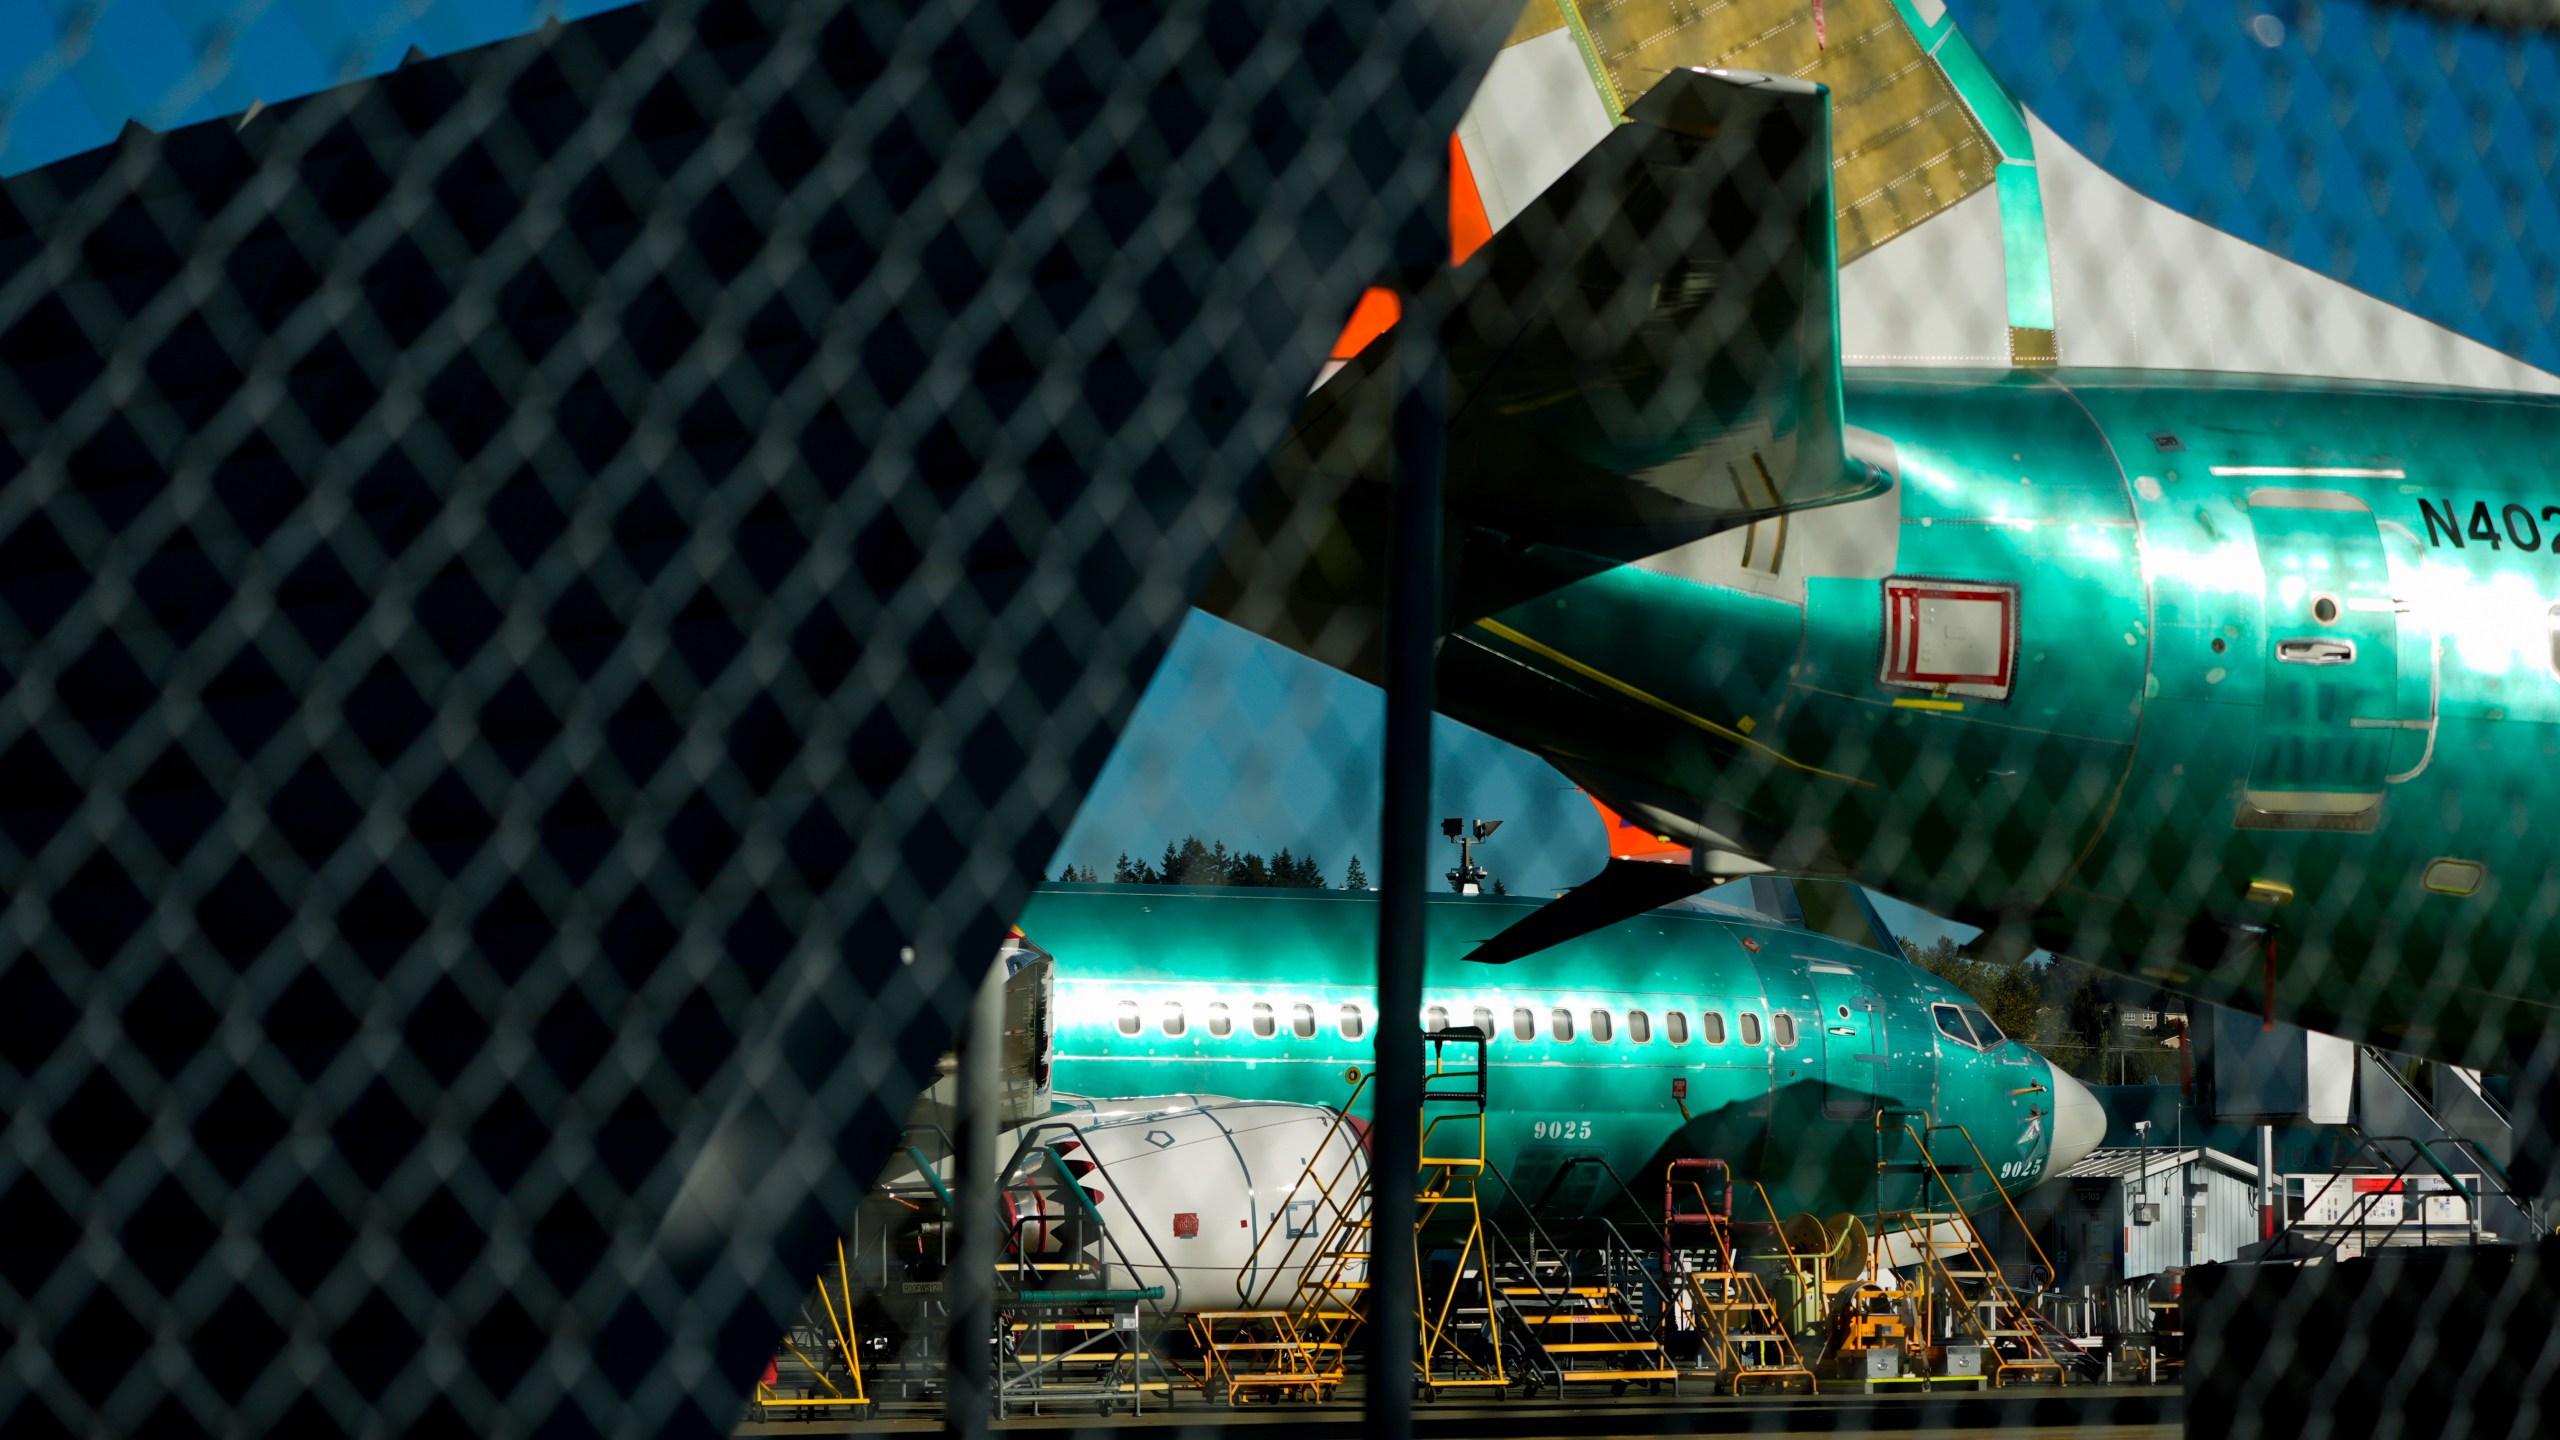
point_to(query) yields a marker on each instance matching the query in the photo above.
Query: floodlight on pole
(1468, 878)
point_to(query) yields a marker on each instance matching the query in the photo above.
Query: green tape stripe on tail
(2022, 246)
(1600, 81)
(2026, 254)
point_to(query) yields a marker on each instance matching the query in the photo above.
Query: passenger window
(1711, 1026)
(1436, 1019)
(1750, 1028)
(2553, 619)
(1560, 1024)
(1221, 1024)
(1302, 1021)
(1782, 1026)
(1639, 1026)
(1600, 1026)
(1128, 1021)
(1484, 1022)
(1173, 1022)
(1265, 1025)
(1352, 1028)
(1675, 1026)
(1524, 1024)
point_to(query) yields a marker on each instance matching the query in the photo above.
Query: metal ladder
(1746, 1337)
(1446, 1204)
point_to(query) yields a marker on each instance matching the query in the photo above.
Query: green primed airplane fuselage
(2283, 666)
(1786, 1046)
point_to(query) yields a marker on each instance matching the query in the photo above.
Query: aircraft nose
(2079, 1123)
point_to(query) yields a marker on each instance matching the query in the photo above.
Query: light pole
(1468, 878)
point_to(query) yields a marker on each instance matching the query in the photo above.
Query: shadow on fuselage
(1813, 1147)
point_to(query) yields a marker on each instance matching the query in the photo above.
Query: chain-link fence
(556, 601)
(557, 598)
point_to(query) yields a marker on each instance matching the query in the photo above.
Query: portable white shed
(2124, 1213)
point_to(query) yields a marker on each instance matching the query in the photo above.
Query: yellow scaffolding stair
(1291, 1346)
(1295, 1347)
(841, 1382)
(1959, 1264)
(1746, 1339)
(1260, 1353)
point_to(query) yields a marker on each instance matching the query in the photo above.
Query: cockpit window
(1968, 1025)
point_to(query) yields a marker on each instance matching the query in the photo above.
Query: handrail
(1324, 1190)
(1527, 1212)
(925, 1168)
(1574, 1162)
(1660, 1288)
(1795, 1266)
(1706, 1211)
(2366, 1202)
(1030, 1138)
(2000, 1190)
(1969, 1235)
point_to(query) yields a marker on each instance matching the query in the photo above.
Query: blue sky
(73, 71)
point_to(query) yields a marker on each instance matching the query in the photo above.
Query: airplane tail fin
(1645, 355)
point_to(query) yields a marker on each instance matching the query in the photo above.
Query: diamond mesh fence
(558, 599)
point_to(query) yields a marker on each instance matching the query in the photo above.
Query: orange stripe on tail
(1469, 227)
(1633, 842)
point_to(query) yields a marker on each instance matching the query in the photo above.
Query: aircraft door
(2332, 667)
(1856, 1061)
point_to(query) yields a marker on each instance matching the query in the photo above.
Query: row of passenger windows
(1262, 1019)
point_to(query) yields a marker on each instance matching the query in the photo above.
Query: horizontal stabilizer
(1622, 890)
(1647, 354)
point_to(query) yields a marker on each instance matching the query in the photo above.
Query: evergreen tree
(1129, 872)
(1169, 869)
(1353, 877)
(1295, 872)
(1499, 888)
(1067, 871)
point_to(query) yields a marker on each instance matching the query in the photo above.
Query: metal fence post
(1413, 633)
(968, 1284)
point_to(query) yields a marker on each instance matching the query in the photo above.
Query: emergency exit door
(1856, 1064)
(2332, 665)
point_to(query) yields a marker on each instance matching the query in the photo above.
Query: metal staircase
(1744, 1335)
(1561, 1325)
(1967, 1299)
(1070, 1325)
